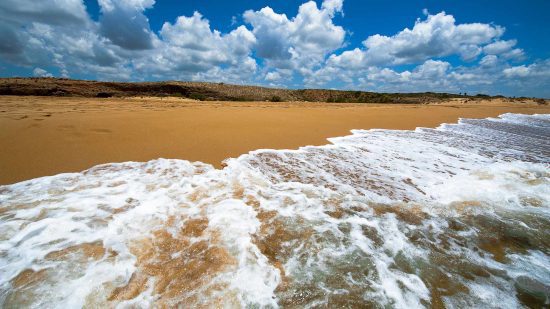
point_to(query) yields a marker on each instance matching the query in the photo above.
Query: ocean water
(457, 216)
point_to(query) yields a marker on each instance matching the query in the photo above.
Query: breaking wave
(456, 216)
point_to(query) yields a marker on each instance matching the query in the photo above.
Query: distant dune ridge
(204, 91)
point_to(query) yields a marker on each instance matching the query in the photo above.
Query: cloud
(273, 76)
(499, 47)
(190, 42)
(74, 49)
(10, 44)
(121, 45)
(535, 70)
(299, 43)
(528, 80)
(441, 76)
(52, 12)
(431, 73)
(38, 72)
(17, 17)
(333, 6)
(504, 48)
(436, 53)
(488, 61)
(431, 70)
(436, 36)
(190, 48)
(124, 23)
(53, 33)
(427, 44)
(137, 5)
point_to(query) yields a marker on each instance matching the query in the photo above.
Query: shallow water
(457, 216)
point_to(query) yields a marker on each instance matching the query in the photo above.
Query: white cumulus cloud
(38, 72)
(437, 36)
(189, 47)
(299, 43)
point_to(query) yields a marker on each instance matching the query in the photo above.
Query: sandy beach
(42, 136)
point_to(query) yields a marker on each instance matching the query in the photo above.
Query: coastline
(43, 136)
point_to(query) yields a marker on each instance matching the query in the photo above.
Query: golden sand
(42, 136)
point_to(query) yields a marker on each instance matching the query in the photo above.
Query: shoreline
(43, 136)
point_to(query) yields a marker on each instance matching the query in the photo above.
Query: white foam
(255, 278)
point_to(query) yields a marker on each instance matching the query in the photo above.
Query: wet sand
(42, 136)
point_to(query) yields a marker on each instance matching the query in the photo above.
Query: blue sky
(495, 47)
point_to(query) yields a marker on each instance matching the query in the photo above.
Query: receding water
(457, 216)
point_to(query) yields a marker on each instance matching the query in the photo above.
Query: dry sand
(42, 136)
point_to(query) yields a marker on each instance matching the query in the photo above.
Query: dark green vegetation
(213, 92)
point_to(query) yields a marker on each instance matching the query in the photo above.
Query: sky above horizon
(491, 47)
